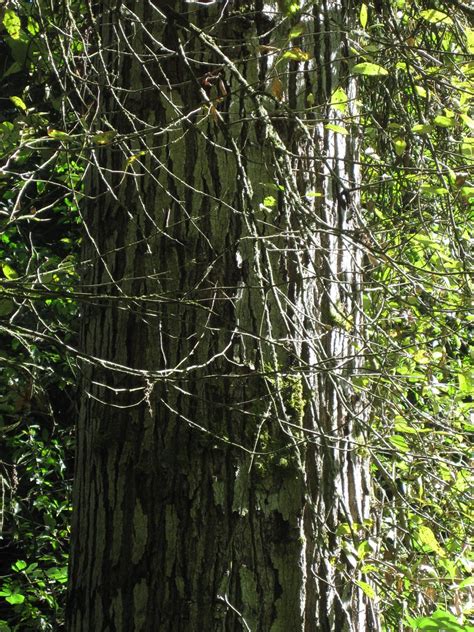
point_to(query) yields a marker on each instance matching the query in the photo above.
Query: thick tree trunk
(219, 478)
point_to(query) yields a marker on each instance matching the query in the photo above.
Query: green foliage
(39, 189)
(419, 203)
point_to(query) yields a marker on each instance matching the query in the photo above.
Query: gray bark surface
(220, 441)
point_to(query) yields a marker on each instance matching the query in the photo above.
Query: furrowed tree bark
(220, 477)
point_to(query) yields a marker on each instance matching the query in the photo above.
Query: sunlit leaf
(338, 129)
(369, 69)
(32, 26)
(15, 598)
(104, 138)
(422, 128)
(435, 17)
(9, 272)
(12, 24)
(400, 145)
(402, 426)
(339, 100)
(363, 15)
(296, 31)
(444, 121)
(467, 148)
(366, 588)
(399, 442)
(134, 157)
(19, 565)
(468, 121)
(19, 103)
(296, 54)
(421, 92)
(428, 538)
(269, 201)
(58, 135)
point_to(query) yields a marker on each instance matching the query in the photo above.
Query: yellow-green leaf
(296, 31)
(468, 121)
(366, 588)
(402, 426)
(428, 538)
(444, 121)
(400, 145)
(57, 134)
(32, 26)
(9, 272)
(363, 15)
(19, 103)
(338, 129)
(339, 100)
(421, 128)
(370, 70)
(467, 148)
(421, 92)
(435, 17)
(399, 443)
(296, 54)
(269, 201)
(104, 138)
(12, 24)
(134, 157)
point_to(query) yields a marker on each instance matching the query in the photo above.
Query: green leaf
(370, 70)
(466, 582)
(363, 15)
(402, 426)
(15, 598)
(58, 135)
(435, 17)
(296, 54)
(338, 129)
(9, 272)
(32, 26)
(467, 120)
(399, 443)
(421, 128)
(19, 565)
(428, 538)
(58, 573)
(440, 621)
(421, 92)
(269, 201)
(444, 121)
(339, 100)
(467, 148)
(19, 103)
(296, 31)
(400, 145)
(12, 23)
(367, 589)
(104, 138)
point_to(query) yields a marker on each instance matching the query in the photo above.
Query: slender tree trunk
(220, 482)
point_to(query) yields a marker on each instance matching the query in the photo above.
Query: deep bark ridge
(220, 457)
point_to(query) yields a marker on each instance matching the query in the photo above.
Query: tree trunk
(220, 481)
